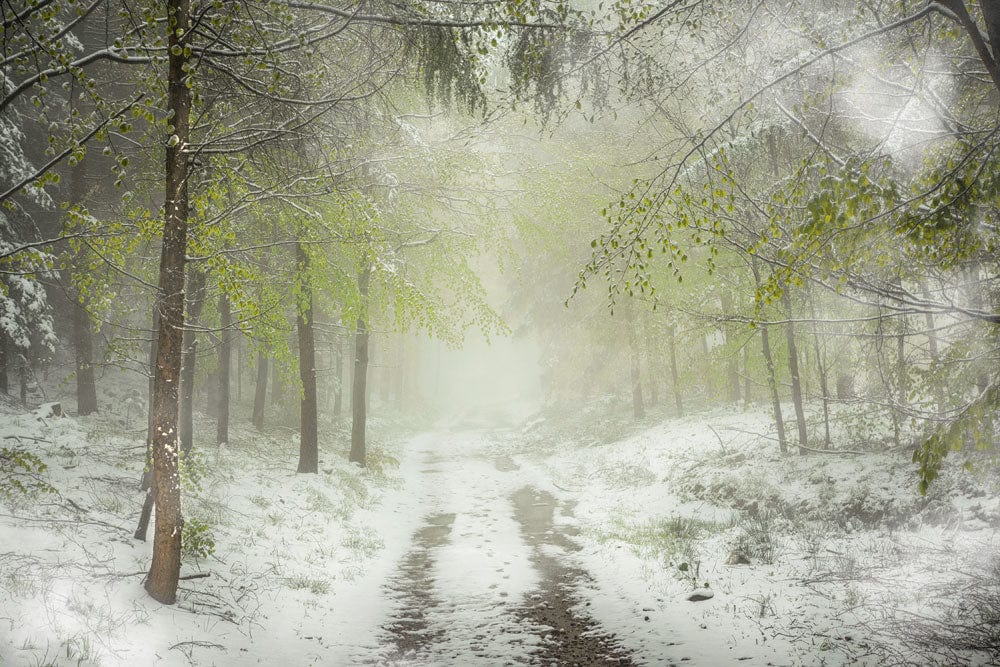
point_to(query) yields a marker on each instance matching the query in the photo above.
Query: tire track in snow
(569, 636)
(457, 601)
(410, 630)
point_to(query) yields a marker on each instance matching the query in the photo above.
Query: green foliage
(672, 539)
(21, 474)
(974, 425)
(197, 540)
(379, 462)
(193, 467)
(314, 586)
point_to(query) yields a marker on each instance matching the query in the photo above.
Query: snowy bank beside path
(820, 559)
(286, 573)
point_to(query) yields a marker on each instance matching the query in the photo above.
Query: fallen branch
(833, 451)
(719, 438)
(26, 437)
(200, 575)
(199, 644)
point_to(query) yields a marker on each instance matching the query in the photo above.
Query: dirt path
(411, 634)
(435, 624)
(570, 636)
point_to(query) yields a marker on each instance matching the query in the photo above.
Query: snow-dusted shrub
(628, 475)
(971, 622)
(755, 537)
(673, 540)
(379, 462)
(314, 586)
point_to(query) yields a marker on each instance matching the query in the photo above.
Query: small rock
(47, 410)
(701, 594)
(683, 567)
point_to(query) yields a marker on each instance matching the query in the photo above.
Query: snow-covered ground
(847, 562)
(424, 559)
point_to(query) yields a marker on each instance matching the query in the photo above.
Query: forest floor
(578, 537)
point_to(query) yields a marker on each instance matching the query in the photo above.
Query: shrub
(197, 540)
(755, 537)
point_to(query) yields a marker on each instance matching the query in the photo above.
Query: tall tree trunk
(225, 366)
(732, 363)
(146, 484)
(83, 337)
(772, 381)
(902, 376)
(359, 393)
(824, 383)
(238, 346)
(401, 370)
(83, 345)
(746, 376)
(4, 365)
(276, 385)
(338, 387)
(22, 374)
(651, 357)
(793, 371)
(308, 428)
(976, 302)
(260, 391)
(706, 359)
(194, 301)
(386, 371)
(675, 383)
(932, 349)
(638, 405)
(164, 570)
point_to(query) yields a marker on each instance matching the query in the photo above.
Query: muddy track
(409, 632)
(568, 635)
(418, 632)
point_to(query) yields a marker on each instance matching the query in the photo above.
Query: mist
(499, 333)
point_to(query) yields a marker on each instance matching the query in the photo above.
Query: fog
(499, 333)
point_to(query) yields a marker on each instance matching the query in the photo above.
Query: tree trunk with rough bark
(4, 365)
(793, 371)
(638, 405)
(732, 362)
(675, 384)
(338, 389)
(772, 380)
(746, 376)
(651, 358)
(83, 346)
(260, 391)
(276, 385)
(164, 571)
(821, 367)
(359, 393)
(225, 365)
(308, 427)
(22, 375)
(146, 484)
(194, 301)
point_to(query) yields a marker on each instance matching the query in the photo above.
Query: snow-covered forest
(436, 332)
